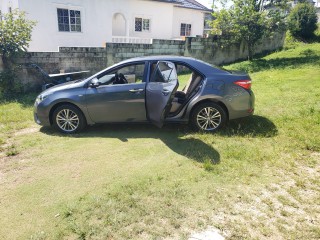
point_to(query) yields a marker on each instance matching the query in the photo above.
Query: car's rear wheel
(208, 117)
(68, 119)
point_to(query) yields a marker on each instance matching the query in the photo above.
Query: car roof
(159, 57)
(201, 66)
(204, 68)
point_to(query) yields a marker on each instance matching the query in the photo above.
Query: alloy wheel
(67, 120)
(208, 119)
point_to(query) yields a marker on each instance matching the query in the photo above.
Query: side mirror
(94, 83)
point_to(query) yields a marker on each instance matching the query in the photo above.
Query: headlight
(41, 97)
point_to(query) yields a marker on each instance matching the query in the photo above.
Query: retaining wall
(70, 59)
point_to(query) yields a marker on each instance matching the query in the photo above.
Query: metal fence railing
(134, 40)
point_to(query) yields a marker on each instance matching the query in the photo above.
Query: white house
(92, 23)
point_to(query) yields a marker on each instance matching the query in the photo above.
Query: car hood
(63, 86)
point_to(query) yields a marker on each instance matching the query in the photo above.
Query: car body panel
(116, 103)
(159, 95)
(71, 92)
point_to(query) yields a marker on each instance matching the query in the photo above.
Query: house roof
(192, 4)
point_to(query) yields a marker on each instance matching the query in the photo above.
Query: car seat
(182, 96)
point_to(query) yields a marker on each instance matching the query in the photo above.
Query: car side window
(185, 76)
(163, 72)
(129, 74)
(106, 79)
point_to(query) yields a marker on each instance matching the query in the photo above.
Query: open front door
(160, 92)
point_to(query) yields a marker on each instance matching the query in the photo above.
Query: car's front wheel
(68, 119)
(208, 117)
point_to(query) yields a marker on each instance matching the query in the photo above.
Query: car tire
(208, 117)
(68, 119)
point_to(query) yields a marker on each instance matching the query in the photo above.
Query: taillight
(244, 83)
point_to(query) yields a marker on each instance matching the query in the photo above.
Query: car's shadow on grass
(178, 137)
(253, 126)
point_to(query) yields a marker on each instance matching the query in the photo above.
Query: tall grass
(15, 114)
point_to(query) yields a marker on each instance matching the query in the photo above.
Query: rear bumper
(243, 107)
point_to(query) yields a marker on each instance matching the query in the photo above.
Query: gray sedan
(146, 90)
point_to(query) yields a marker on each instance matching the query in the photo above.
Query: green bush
(290, 41)
(317, 32)
(8, 83)
(15, 32)
(302, 21)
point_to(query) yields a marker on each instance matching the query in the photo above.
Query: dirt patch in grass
(8, 148)
(285, 208)
(12, 158)
(29, 130)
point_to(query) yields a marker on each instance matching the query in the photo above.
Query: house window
(69, 20)
(142, 25)
(146, 24)
(185, 29)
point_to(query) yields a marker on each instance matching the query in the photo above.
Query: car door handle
(136, 90)
(165, 92)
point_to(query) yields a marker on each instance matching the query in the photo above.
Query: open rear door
(160, 92)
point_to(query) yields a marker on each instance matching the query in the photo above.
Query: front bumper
(36, 119)
(40, 116)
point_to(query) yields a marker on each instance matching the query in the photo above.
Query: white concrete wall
(96, 25)
(188, 16)
(5, 4)
(96, 21)
(160, 15)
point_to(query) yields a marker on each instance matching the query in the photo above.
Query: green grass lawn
(256, 179)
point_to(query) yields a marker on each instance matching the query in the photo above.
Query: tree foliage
(302, 21)
(249, 21)
(15, 33)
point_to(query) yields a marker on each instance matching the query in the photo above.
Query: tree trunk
(6, 62)
(250, 52)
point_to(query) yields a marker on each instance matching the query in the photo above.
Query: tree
(249, 21)
(15, 33)
(302, 21)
